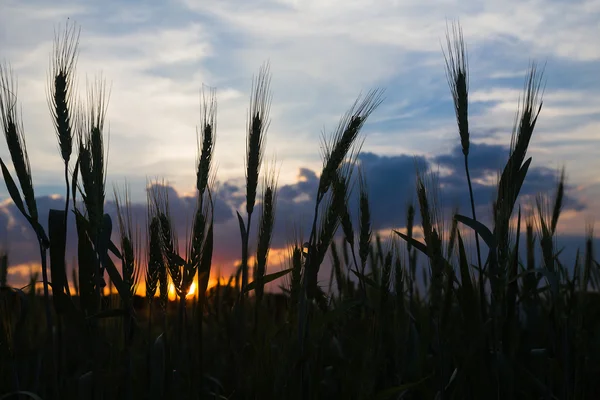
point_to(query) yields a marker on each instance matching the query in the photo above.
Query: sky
(156, 56)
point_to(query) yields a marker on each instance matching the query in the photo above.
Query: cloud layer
(391, 186)
(157, 55)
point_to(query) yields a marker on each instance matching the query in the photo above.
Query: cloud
(391, 185)
(391, 182)
(485, 165)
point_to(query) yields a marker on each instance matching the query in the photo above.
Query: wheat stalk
(155, 260)
(258, 122)
(260, 105)
(458, 79)
(12, 125)
(208, 119)
(265, 233)
(366, 234)
(344, 137)
(92, 156)
(60, 99)
(515, 170)
(129, 242)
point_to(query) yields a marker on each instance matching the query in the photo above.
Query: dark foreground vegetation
(415, 317)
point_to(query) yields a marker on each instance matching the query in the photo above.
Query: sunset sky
(155, 55)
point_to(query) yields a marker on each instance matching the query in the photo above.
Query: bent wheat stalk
(12, 125)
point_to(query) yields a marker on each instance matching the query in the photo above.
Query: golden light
(192, 289)
(173, 292)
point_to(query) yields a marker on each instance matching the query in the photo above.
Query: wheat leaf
(480, 228)
(268, 278)
(13, 190)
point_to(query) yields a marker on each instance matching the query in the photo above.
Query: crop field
(418, 316)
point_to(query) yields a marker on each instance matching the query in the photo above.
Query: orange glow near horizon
(173, 292)
(192, 290)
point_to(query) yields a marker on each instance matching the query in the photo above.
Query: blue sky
(156, 56)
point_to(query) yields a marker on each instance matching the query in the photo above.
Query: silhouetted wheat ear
(162, 243)
(266, 226)
(258, 123)
(515, 169)
(92, 158)
(169, 250)
(198, 229)
(296, 278)
(558, 201)
(458, 79)
(344, 137)
(525, 120)
(430, 208)
(12, 125)
(336, 269)
(170, 245)
(547, 239)
(364, 213)
(530, 108)
(589, 260)
(128, 263)
(163, 276)
(63, 63)
(426, 216)
(410, 221)
(87, 181)
(208, 120)
(432, 232)
(344, 188)
(129, 244)
(155, 259)
(453, 230)
(331, 219)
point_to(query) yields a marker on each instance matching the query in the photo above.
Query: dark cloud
(391, 182)
(487, 161)
(295, 207)
(391, 185)
(484, 159)
(233, 193)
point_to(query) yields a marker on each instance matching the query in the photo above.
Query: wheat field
(415, 316)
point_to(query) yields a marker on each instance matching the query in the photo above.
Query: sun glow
(173, 292)
(192, 290)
